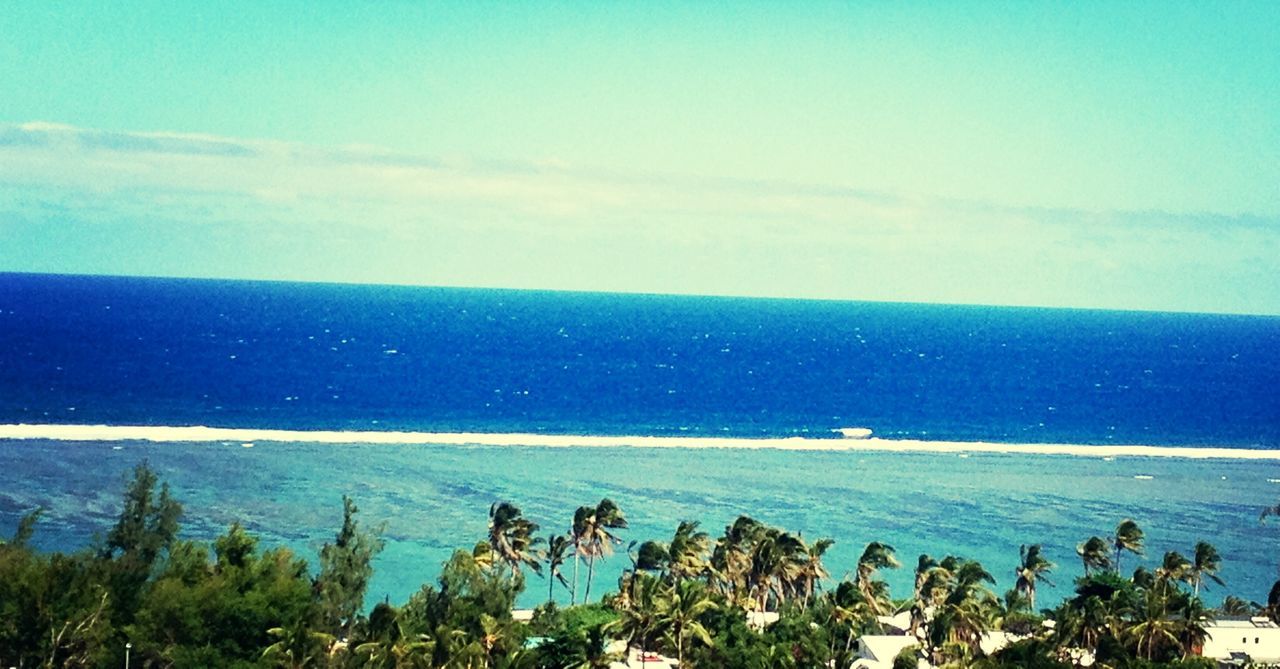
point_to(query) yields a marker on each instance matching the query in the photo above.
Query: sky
(1063, 154)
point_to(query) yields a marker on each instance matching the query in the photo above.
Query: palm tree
(297, 647)
(638, 615)
(684, 558)
(1153, 627)
(1128, 537)
(1173, 569)
(1193, 632)
(386, 646)
(599, 540)
(1032, 567)
(812, 570)
(1234, 606)
(687, 554)
(731, 561)
(1269, 511)
(923, 564)
(875, 556)
(1095, 554)
(558, 546)
(963, 608)
(1205, 563)
(776, 563)
(594, 653)
(679, 610)
(578, 536)
(511, 537)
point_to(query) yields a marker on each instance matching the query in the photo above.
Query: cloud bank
(83, 200)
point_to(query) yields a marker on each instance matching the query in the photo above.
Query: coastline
(204, 434)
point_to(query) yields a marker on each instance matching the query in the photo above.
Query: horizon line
(641, 293)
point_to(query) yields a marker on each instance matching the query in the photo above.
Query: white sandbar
(245, 435)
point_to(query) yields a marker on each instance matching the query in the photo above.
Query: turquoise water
(160, 352)
(435, 498)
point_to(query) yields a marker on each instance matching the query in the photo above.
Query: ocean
(259, 355)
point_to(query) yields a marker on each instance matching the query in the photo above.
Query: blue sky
(1115, 155)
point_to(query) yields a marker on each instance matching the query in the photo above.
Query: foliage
(230, 603)
(346, 565)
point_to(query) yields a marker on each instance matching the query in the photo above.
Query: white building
(876, 651)
(1254, 639)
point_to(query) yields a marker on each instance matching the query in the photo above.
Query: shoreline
(204, 434)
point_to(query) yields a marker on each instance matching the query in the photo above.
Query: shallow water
(436, 498)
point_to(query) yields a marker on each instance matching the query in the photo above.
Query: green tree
(220, 613)
(1032, 567)
(558, 546)
(297, 647)
(596, 537)
(1173, 569)
(875, 556)
(680, 609)
(147, 526)
(1128, 537)
(961, 608)
(346, 565)
(813, 571)
(924, 564)
(511, 537)
(1205, 564)
(732, 558)
(638, 611)
(1095, 554)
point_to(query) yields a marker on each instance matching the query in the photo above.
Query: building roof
(1259, 638)
(884, 647)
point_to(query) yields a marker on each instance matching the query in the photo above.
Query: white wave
(200, 433)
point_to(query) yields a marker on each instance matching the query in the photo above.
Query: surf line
(200, 433)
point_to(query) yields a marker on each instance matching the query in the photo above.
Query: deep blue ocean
(130, 351)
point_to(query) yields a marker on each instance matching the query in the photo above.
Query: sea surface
(161, 352)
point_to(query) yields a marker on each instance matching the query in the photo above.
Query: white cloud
(461, 216)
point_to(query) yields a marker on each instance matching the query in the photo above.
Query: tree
(777, 567)
(346, 565)
(297, 647)
(813, 571)
(961, 605)
(1205, 564)
(875, 556)
(687, 553)
(596, 539)
(923, 565)
(148, 523)
(1128, 537)
(638, 611)
(1173, 569)
(1153, 627)
(1235, 606)
(680, 609)
(201, 613)
(511, 537)
(147, 527)
(1032, 567)
(1095, 554)
(732, 559)
(558, 546)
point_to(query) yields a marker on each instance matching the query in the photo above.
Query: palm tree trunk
(591, 567)
(573, 593)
